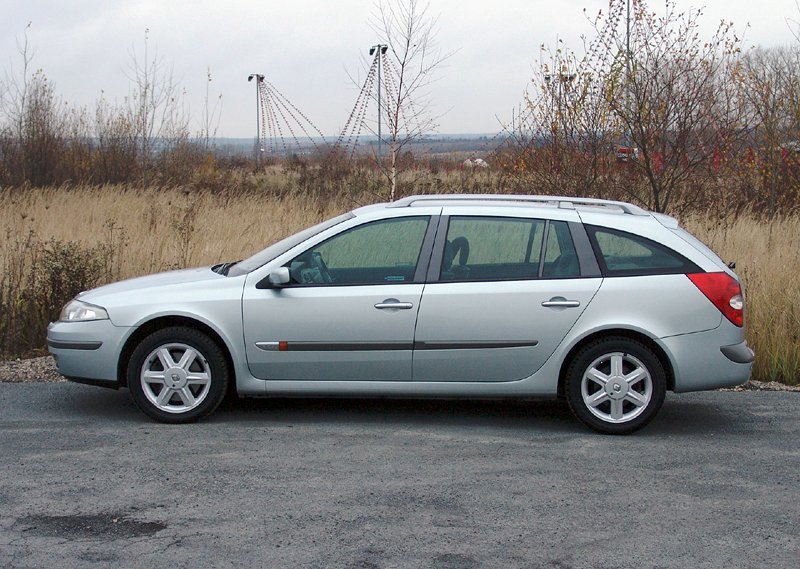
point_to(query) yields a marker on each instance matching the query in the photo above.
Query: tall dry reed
(135, 232)
(767, 256)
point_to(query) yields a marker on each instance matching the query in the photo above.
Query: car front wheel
(177, 375)
(615, 385)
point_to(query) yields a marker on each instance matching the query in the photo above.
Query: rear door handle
(393, 303)
(561, 302)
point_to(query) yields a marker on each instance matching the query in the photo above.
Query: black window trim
(583, 247)
(543, 248)
(435, 263)
(687, 267)
(424, 259)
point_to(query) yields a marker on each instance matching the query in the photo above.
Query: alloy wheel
(616, 387)
(175, 378)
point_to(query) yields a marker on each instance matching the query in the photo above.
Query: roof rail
(560, 201)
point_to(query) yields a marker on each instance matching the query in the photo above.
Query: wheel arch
(167, 321)
(627, 333)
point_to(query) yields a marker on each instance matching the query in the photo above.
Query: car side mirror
(276, 279)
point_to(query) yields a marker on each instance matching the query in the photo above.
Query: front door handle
(561, 302)
(393, 303)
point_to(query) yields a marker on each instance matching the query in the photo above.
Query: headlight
(77, 311)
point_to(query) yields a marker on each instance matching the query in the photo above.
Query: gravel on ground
(43, 369)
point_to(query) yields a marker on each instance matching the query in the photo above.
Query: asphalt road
(86, 480)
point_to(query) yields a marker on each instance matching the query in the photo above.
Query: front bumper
(87, 352)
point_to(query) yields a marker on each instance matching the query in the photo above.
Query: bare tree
(560, 142)
(45, 141)
(116, 150)
(410, 66)
(155, 104)
(769, 84)
(648, 86)
(672, 92)
(35, 123)
(14, 94)
(212, 113)
(15, 87)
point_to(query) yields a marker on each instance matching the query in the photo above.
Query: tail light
(724, 292)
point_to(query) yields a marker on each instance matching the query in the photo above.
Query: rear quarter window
(624, 254)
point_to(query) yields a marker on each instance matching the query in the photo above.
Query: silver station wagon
(601, 303)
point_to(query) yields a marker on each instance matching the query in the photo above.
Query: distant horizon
(426, 136)
(469, 145)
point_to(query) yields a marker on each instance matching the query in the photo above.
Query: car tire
(177, 375)
(615, 385)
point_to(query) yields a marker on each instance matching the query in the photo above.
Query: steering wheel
(316, 261)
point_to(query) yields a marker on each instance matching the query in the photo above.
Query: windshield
(266, 255)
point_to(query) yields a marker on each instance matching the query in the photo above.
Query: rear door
(503, 291)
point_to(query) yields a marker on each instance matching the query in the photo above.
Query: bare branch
(409, 69)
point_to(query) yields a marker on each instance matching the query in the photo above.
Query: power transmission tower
(378, 50)
(260, 142)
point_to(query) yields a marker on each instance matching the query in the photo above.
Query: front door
(349, 311)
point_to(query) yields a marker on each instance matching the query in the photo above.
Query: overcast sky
(306, 47)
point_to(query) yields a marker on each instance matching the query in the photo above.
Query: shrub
(38, 279)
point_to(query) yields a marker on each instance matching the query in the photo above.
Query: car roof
(604, 212)
(512, 200)
(562, 202)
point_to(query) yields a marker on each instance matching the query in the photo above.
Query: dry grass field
(159, 230)
(767, 255)
(65, 238)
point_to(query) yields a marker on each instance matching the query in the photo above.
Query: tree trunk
(393, 193)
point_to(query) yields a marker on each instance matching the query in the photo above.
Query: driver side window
(380, 252)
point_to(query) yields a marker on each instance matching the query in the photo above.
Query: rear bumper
(739, 353)
(709, 360)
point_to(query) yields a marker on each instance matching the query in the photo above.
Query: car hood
(196, 293)
(141, 284)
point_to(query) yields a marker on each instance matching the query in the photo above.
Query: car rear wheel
(177, 375)
(615, 385)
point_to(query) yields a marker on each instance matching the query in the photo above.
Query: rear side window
(492, 248)
(506, 248)
(625, 254)
(560, 258)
